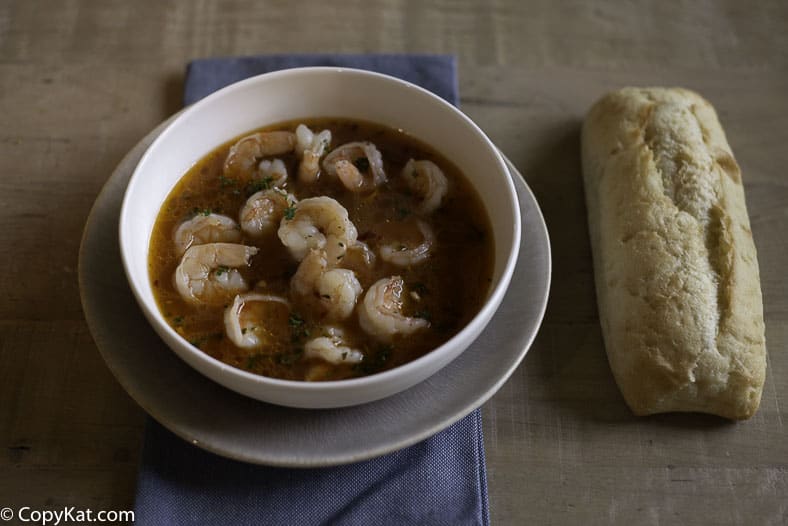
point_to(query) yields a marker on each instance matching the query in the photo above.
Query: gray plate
(219, 420)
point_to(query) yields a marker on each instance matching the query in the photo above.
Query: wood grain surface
(82, 82)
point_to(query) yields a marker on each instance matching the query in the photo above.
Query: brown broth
(451, 284)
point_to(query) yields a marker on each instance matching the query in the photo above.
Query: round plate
(219, 420)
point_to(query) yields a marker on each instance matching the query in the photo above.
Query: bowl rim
(475, 325)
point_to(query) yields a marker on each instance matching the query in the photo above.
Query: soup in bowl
(320, 237)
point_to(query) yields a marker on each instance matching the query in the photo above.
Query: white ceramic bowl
(303, 93)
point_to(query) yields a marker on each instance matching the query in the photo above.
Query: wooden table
(81, 83)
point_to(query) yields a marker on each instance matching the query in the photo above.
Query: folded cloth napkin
(440, 481)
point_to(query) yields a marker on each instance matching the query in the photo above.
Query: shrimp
(202, 229)
(318, 222)
(274, 171)
(332, 349)
(330, 293)
(405, 253)
(250, 149)
(380, 313)
(206, 273)
(311, 146)
(339, 290)
(358, 165)
(428, 182)
(243, 320)
(264, 210)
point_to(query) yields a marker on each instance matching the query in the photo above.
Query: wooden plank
(64, 420)
(80, 83)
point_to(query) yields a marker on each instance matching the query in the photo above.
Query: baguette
(675, 266)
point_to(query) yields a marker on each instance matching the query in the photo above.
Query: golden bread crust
(675, 265)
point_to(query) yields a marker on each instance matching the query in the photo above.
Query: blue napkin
(437, 73)
(439, 481)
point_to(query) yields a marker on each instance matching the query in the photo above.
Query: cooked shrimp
(329, 293)
(318, 222)
(264, 210)
(339, 291)
(428, 182)
(407, 252)
(275, 171)
(358, 165)
(249, 150)
(311, 147)
(244, 320)
(380, 313)
(202, 229)
(206, 273)
(332, 349)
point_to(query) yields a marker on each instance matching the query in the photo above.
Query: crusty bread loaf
(674, 260)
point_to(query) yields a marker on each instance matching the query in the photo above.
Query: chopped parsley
(201, 211)
(298, 327)
(374, 361)
(253, 360)
(290, 212)
(200, 340)
(260, 184)
(224, 182)
(289, 358)
(295, 320)
(222, 270)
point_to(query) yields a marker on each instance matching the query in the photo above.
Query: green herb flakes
(225, 182)
(289, 358)
(298, 328)
(253, 360)
(258, 185)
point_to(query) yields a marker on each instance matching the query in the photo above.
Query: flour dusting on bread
(675, 264)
